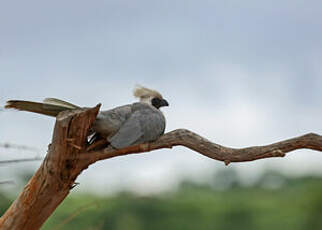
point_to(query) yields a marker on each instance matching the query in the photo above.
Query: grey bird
(122, 126)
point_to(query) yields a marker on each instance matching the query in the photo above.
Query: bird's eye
(156, 102)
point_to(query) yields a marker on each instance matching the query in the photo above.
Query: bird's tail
(50, 106)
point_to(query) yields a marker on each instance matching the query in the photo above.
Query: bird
(123, 126)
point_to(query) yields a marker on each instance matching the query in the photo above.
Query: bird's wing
(142, 126)
(129, 133)
(108, 122)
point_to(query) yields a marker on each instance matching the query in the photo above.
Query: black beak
(164, 103)
(157, 102)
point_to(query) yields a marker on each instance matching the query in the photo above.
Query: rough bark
(69, 155)
(203, 146)
(55, 177)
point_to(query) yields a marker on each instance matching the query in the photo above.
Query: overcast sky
(240, 73)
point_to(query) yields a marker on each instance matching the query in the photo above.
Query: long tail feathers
(50, 107)
(58, 102)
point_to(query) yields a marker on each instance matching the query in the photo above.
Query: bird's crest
(143, 92)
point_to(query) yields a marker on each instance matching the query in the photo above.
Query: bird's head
(150, 96)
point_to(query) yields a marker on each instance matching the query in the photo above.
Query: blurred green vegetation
(273, 202)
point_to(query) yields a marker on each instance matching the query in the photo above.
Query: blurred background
(239, 73)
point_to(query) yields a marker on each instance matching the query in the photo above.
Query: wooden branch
(203, 146)
(69, 155)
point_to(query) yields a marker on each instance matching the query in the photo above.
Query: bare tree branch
(191, 140)
(69, 155)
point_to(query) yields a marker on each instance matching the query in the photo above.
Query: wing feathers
(145, 124)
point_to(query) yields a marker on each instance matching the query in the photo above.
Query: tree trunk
(53, 180)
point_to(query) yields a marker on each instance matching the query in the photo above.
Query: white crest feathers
(143, 92)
